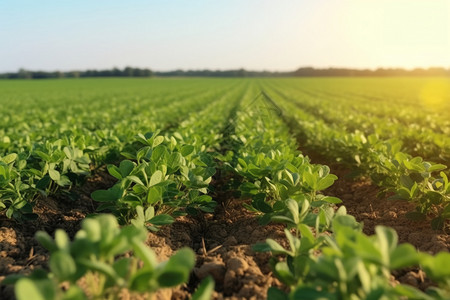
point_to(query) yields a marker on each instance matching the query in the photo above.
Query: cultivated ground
(222, 240)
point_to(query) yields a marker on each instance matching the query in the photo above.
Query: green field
(183, 148)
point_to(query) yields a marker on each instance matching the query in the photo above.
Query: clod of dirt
(237, 265)
(235, 268)
(230, 241)
(216, 269)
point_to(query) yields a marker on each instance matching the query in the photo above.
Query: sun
(434, 94)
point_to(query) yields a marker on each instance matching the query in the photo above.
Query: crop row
(57, 153)
(401, 175)
(406, 101)
(167, 173)
(162, 176)
(285, 187)
(420, 137)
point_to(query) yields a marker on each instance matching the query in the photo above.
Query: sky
(275, 35)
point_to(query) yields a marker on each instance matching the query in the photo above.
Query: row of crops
(390, 163)
(164, 140)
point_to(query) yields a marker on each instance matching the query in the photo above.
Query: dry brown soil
(222, 240)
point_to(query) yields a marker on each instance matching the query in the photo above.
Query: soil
(223, 240)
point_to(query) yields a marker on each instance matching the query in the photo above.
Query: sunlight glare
(434, 94)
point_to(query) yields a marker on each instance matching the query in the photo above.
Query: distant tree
(24, 74)
(304, 71)
(128, 71)
(147, 73)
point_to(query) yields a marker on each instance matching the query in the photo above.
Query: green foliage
(158, 180)
(52, 135)
(97, 251)
(50, 142)
(349, 264)
(385, 159)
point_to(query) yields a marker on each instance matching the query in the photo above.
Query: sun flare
(434, 94)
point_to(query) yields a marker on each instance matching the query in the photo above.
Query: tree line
(301, 72)
(114, 72)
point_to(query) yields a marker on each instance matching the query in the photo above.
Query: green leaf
(162, 219)
(114, 171)
(69, 152)
(62, 240)
(62, 265)
(158, 153)
(91, 229)
(437, 167)
(283, 219)
(293, 208)
(101, 267)
(242, 163)
(254, 170)
(368, 250)
(157, 141)
(156, 178)
(311, 180)
(45, 240)
(174, 161)
(275, 294)
(154, 195)
(203, 199)
(434, 197)
(205, 290)
(149, 213)
(146, 254)
(276, 248)
(306, 232)
(387, 238)
(43, 155)
(249, 188)
(27, 289)
(411, 292)
(261, 247)
(54, 175)
(63, 181)
(326, 182)
(406, 181)
(294, 242)
(9, 158)
(261, 205)
(283, 272)
(122, 266)
(186, 150)
(184, 257)
(405, 255)
(345, 221)
(126, 167)
(143, 281)
(172, 277)
(333, 200)
(177, 269)
(43, 183)
(136, 180)
(111, 195)
(437, 267)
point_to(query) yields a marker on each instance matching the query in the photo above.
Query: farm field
(321, 187)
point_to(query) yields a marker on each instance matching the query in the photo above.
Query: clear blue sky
(223, 34)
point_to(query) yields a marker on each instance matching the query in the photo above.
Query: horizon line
(235, 69)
